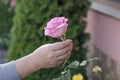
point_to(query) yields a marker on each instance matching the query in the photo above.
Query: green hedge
(30, 19)
(5, 25)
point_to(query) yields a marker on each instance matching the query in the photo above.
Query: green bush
(5, 25)
(30, 19)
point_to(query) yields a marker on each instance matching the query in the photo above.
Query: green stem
(63, 38)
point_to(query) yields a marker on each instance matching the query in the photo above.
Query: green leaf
(62, 77)
(83, 63)
(68, 75)
(73, 65)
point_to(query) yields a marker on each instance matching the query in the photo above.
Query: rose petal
(59, 31)
(47, 32)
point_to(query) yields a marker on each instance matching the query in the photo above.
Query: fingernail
(71, 44)
(69, 40)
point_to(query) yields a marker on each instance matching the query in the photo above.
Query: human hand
(51, 55)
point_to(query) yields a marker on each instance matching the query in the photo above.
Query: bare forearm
(26, 66)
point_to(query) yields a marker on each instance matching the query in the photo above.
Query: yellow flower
(77, 77)
(97, 68)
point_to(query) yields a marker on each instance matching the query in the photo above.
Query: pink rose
(56, 27)
(12, 3)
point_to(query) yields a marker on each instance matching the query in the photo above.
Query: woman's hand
(46, 56)
(51, 55)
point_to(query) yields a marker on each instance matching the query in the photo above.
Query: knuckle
(62, 44)
(66, 49)
(53, 63)
(66, 55)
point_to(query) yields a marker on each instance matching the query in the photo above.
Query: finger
(61, 61)
(66, 56)
(62, 51)
(63, 57)
(69, 55)
(58, 60)
(61, 45)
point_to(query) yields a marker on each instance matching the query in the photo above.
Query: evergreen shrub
(5, 25)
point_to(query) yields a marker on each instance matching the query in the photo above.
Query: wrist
(34, 62)
(29, 63)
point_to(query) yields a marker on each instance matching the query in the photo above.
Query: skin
(46, 56)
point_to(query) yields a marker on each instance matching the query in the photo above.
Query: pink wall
(105, 33)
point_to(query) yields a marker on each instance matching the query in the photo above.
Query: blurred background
(103, 24)
(6, 16)
(94, 27)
